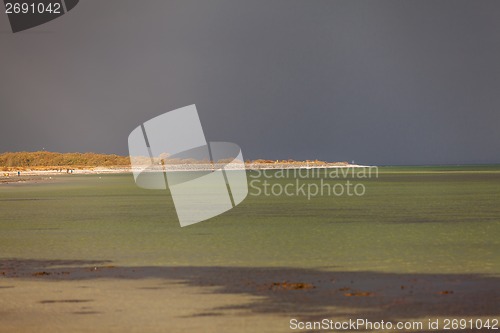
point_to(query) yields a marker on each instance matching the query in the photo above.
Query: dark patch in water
(24, 199)
(39, 229)
(51, 301)
(86, 312)
(205, 314)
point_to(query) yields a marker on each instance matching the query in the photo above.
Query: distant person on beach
(18, 173)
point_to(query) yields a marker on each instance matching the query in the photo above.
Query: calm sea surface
(409, 219)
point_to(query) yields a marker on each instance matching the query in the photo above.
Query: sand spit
(177, 167)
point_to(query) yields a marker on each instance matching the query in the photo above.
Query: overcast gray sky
(378, 82)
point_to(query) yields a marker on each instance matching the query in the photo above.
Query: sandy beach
(34, 175)
(82, 296)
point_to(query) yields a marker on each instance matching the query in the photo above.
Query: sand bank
(101, 297)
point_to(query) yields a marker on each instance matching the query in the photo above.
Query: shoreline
(13, 177)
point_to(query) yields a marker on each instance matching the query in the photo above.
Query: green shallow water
(410, 219)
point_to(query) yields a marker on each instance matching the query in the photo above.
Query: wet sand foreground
(64, 296)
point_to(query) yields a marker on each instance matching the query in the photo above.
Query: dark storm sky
(378, 82)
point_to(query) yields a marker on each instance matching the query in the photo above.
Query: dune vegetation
(49, 160)
(45, 160)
